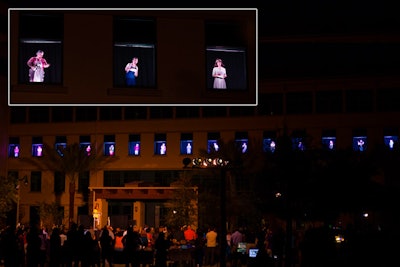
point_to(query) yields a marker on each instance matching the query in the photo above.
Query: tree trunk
(71, 201)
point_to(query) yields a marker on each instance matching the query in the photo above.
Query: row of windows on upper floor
(321, 102)
(111, 178)
(187, 145)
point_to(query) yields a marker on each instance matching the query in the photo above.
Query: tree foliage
(8, 195)
(71, 160)
(50, 214)
(182, 208)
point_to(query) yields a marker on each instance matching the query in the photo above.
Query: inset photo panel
(132, 57)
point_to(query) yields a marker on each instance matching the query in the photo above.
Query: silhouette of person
(188, 149)
(39, 150)
(244, 147)
(391, 144)
(360, 144)
(137, 149)
(163, 149)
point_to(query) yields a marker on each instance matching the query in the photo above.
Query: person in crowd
(65, 251)
(106, 244)
(74, 237)
(161, 247)
(21, 238)
(131, 72)
(228, 245)
(118, 246)
(9, 246)
(33, 246)
(132, 247)
(236, 238)
(178, 234)
(199, 245)
(55, 248)
(190, 234)
(219, 74)
(211, 247)
(44, 246)
(36, 65)
(150, 238)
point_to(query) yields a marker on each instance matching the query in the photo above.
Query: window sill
(39, 88)
(133, 91)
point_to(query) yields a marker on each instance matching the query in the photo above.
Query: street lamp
(221, 165)
(25, 182)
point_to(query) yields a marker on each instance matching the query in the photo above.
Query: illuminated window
(84, 143)
(242, 141)
(269, 141)
(360, 140)
(141, 45)
(14, 147)
(298, 140)
(329, 139)
(212, 141)
(37, 146)
(33, 38)
(391, 138)
(160, 144)
(229, 48)
(134, 145)
(109, 145)
(186, 146)
(61, 144)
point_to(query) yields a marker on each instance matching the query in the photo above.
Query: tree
(8, 196)
(182, 208)
(237, 175)
(50, 214)
(71, 160)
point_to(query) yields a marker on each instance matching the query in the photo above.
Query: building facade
(341, 105)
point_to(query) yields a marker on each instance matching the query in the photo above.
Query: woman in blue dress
(131, 72)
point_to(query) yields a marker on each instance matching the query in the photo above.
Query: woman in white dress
(219, 74)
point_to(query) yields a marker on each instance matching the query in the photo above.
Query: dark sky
(301, 38)
(276, 17)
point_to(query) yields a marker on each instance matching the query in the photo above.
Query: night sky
(302, 38)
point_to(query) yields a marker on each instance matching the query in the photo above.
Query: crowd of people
(77, 246)
(36, 246)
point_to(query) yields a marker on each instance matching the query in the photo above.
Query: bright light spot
(339, 238)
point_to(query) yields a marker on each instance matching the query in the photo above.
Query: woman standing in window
(131, 72)
(37, 65)
(219, 74)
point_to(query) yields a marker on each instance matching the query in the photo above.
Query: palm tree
(71, 160)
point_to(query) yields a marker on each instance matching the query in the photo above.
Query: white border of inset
(124, 9)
